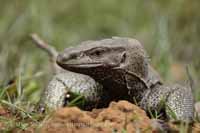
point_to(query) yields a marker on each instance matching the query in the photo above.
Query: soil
(118, 117)
(6, 114)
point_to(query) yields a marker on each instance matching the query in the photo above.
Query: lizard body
(121, 66)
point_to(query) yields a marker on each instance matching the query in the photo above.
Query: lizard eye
(97, 52)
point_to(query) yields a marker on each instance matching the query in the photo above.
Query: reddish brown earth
(6, 114)
(118, 117)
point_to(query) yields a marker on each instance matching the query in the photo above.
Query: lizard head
(96, 58)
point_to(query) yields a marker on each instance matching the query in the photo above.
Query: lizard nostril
(63, 58)
(59, 59)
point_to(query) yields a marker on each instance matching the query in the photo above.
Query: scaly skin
(121, 66)
(65, 83)
(176, 99)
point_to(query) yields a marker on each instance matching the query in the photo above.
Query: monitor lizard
(121, 65)
(66, 86)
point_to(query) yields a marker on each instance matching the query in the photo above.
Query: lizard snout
(62, 58)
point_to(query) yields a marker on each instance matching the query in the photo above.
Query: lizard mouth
(82, 65)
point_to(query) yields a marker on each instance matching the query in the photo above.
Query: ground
(119, 117)
(169, 31)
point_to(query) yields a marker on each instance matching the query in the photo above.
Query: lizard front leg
(176, 100)
(180, 103)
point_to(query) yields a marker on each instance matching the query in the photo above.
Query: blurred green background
(169, 30)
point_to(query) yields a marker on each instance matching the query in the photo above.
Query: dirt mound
(6, 114)
(118, 117)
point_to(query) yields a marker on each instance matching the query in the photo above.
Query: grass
(158, 28)
(169, 31)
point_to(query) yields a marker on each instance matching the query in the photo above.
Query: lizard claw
(160, 125)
